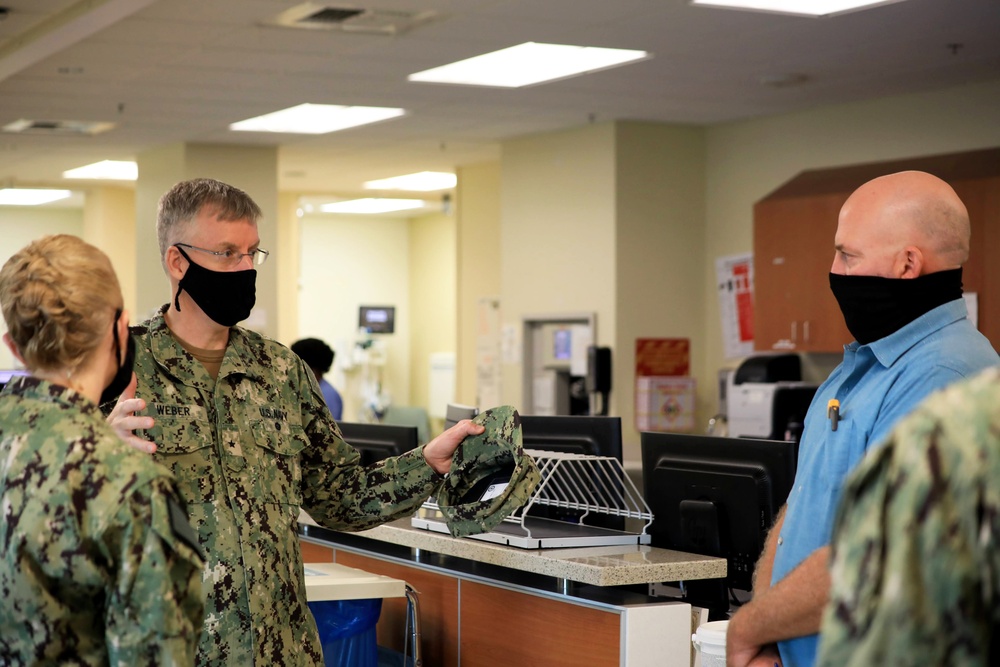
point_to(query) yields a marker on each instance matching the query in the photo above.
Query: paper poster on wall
(664, 403)
(734, 281)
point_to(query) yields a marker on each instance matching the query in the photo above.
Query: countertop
(597, 566)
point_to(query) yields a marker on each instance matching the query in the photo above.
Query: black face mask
(875, 307)
(124, 373)
(226, 296)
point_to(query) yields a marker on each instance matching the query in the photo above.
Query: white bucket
(710, 641)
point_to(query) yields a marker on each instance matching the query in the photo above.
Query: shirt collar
(890, 348)
(30, 387)
(169, 354)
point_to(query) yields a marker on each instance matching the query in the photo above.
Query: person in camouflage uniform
(916, 559)
(98, 565)
(240, 421)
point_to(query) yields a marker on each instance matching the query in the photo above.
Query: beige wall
(348, 261)
(109, 223)
(557, 232)
(432, 300)
(660, 250)
(478, 265)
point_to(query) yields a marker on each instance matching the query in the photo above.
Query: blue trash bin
(347, 631)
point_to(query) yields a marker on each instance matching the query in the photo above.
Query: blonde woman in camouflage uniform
(240, 421)
(98, 565)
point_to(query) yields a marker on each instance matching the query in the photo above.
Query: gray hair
(182, 203)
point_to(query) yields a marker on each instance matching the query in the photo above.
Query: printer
(766, 398)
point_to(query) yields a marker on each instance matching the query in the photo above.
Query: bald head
(902, 225)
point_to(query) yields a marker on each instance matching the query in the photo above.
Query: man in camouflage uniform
(916, 559)
(240, 421)
(98, 565)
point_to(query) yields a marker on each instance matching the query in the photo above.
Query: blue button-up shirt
(876, 385)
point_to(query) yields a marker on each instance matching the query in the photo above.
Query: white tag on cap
(494, 490)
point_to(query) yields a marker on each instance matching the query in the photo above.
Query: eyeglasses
(231, 257)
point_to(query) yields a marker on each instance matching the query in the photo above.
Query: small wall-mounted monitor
(377, 319)
(379, 441)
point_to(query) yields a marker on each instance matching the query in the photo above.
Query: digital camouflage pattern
(916, 565)
(479, 467)
(248, 450)
(94, 569)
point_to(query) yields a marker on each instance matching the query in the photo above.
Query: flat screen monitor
(717, 497)
(587, 435)
(377, 319)
(378, 441)
(591, 435)
(456, 412)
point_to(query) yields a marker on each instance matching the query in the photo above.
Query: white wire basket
(575, 504)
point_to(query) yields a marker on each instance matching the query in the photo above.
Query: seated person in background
(900, 244)
(319, 357)
(98, 565)
(915, 578)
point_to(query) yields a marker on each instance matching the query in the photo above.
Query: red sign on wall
(662, 357)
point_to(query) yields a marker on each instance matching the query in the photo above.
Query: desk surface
(598, 566)
(330, 581)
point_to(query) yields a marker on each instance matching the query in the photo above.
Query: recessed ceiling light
(527, 64)
(30, 196)
(112, 170)
(424, 181)
(372, 205)
(797, 7)
(316, 119)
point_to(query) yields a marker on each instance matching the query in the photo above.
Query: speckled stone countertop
(598, 566)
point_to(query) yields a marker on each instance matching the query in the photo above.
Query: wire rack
(579, 489)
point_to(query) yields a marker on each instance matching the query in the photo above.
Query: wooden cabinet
(794, 230)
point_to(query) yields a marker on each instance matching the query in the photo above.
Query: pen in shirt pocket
(833, 413)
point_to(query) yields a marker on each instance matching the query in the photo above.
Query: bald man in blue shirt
(900, 244)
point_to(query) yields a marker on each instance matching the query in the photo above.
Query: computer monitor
(378, 441)
(717, 497)
(591, 435)
(587, 435)
(456, 412)
(377, 319)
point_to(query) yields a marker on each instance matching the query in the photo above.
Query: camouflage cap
(490, 475)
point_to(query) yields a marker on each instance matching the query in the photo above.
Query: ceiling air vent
(25, 126)
(325, 16)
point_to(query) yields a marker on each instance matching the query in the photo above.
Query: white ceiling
(182, 70)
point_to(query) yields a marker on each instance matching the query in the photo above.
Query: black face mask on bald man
(227, 297)
(875, 307)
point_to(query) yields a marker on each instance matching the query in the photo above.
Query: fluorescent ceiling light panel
(527, 64)
(30, 196)
(371, 205)
(797, 7)
(110, 170)
(316, 119)
(424, 181)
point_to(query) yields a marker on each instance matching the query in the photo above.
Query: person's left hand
(438, 452)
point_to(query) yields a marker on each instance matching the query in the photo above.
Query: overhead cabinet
(794, 230)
